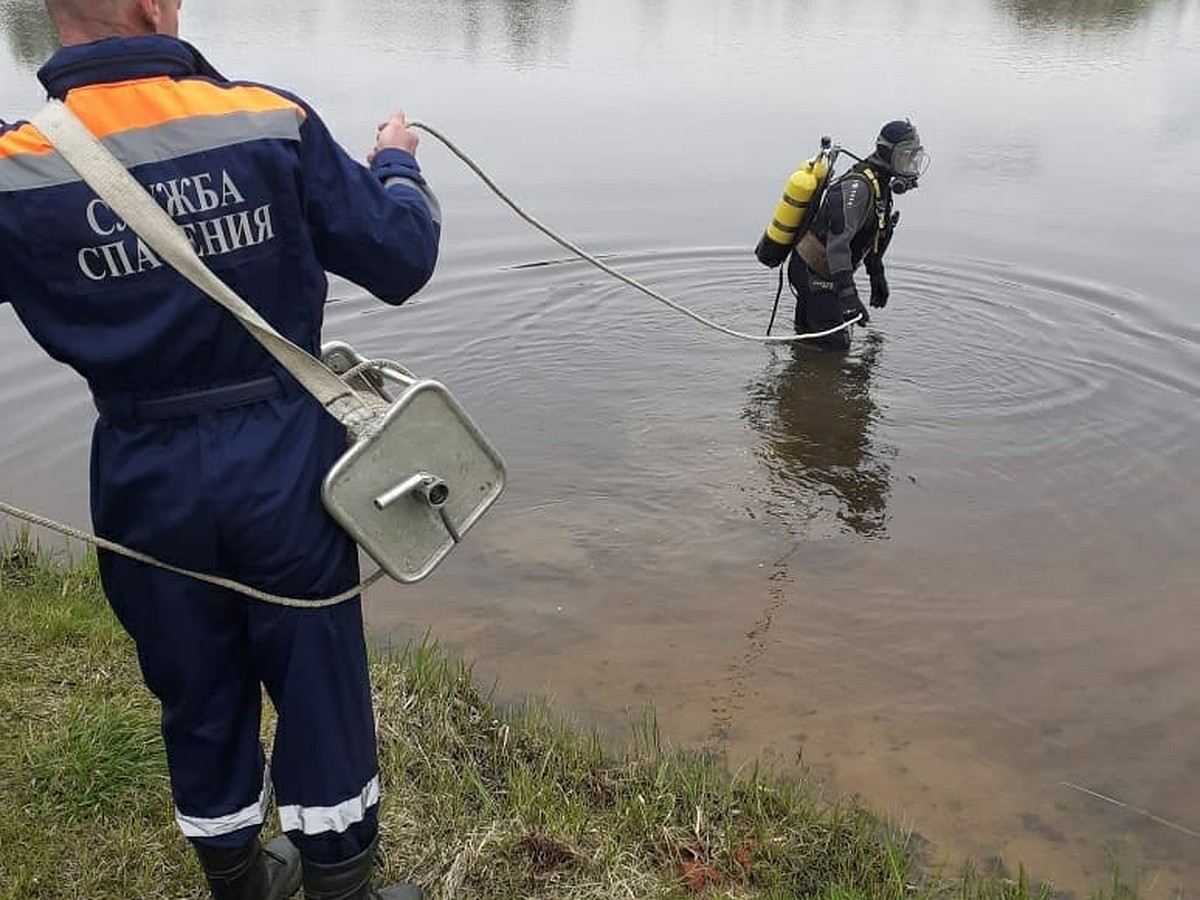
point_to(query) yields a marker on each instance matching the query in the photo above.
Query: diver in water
(852, 226)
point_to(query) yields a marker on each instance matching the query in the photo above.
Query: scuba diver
(828, 236)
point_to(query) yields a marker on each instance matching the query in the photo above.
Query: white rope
(1141, 812)
(230, 584)
(329, 398)
(616, 273)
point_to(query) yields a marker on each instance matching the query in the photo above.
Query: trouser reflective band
(323, 819)
(202, 827)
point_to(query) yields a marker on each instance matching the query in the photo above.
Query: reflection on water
(817, 419)
(31, 37)
(532, 31)
(1097, 15)
(535, 32)
(531, 25)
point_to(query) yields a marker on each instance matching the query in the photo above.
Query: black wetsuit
(854, 225)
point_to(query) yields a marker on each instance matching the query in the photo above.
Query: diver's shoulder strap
(114, 185)
(873, 180)
(880, 206)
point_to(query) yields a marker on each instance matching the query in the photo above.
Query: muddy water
(953, 572)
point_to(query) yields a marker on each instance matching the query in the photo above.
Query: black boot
(351, 880)
(251, 873)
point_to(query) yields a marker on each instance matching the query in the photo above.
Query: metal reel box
(409, 492)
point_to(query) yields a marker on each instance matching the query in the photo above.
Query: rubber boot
(251, 873)
(351, 880)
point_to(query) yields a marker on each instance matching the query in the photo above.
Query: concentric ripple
(997, 378)
(1042, 383)
(981, 372)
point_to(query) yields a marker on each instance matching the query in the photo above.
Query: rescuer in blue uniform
(854, 226)
(205, 454)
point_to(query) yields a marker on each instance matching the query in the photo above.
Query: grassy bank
(479, 802)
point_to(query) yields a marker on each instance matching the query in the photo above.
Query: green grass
(479, 802)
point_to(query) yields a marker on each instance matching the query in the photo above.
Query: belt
(129, 408)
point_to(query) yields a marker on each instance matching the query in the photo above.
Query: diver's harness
(881, 213)
(811, 248)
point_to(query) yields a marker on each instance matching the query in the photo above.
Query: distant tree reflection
(816, 418)
(528, 21)
(528, 30)
(532, 29)
(1090, 15)
(30, 35)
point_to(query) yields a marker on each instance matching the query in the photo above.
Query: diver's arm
(873, 263)
(879, 286)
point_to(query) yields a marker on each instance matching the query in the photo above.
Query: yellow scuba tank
(794, 211)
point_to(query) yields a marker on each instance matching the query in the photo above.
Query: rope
(616, 273)
(405, 375)
(1141, 812)
(230, 584)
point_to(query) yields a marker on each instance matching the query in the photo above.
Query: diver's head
(898, 150)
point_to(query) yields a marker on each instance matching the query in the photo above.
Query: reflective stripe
(193, 135)
(170, 140)
(199, 827)
(431, 200)
(322, 819)
(22, 173)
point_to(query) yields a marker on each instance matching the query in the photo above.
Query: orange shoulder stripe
(22, 140)
(108, 109)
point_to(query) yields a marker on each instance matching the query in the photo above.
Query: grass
(479, 802)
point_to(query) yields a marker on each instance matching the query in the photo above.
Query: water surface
(953, 571)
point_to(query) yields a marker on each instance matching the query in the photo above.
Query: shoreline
(479, 801)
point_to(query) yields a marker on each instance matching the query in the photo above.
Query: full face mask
(899, 146)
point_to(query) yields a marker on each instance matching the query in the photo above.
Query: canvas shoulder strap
(129, 200)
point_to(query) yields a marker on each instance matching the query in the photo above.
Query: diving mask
(909, 159)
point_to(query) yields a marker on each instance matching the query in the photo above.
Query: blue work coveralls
(207, 455)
